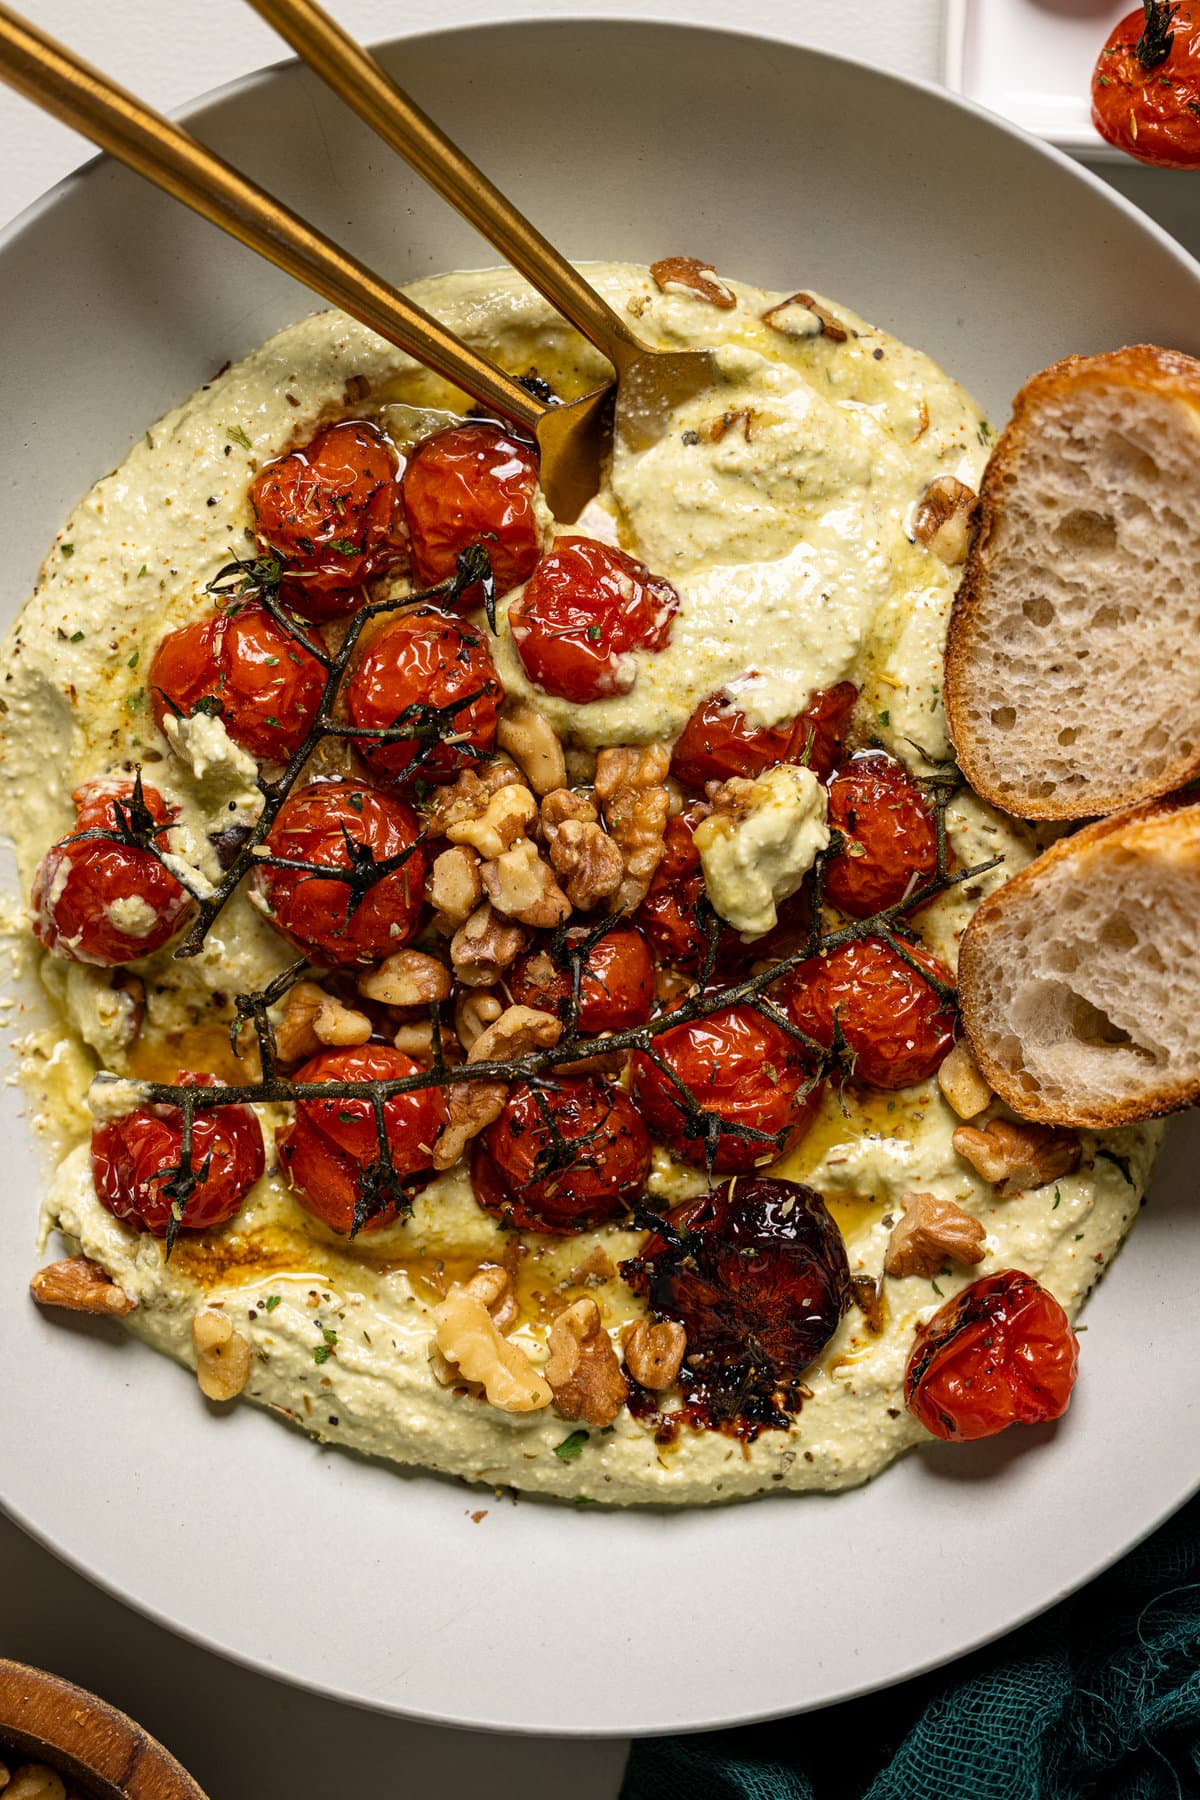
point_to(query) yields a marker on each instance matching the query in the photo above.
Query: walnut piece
(295, 1034)
(80, 1285)
(930, 1234)
(688, 275)
(485, 946)
(630, 785)
(654, 1352)
(473, 1010)
(520, 885)
(944, 518)
(468, 1337)
(518, 1030)
(337, 1024)
(588, 861)
(406, 978)
(533, 744)
(961, 1082)
(471, 1106)
(454, 886)
(582, 1369)
(415, 1038)
(1017, 1156)
(223, 1356)
(488, 818)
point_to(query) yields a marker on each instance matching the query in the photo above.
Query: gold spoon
(572, 439)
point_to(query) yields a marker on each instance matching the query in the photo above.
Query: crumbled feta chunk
(759, 855)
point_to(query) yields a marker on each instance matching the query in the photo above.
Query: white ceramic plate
(794, 170)
(1032, 61)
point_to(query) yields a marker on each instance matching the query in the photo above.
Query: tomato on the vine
(432, 675)
(472, 484)
(135, 1155)
(616, 985)
(563, 1156)
(1000, 1353)
(331, 512)
(253, 675)
(896, 1027)
(889, 837)
(1146, 86)
(98, 901)
(349, 826)
(675, 915)
(719, 742)
(581, 613)
(331, 1145)
(751, 1080)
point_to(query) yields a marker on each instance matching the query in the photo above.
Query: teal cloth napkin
(1098, 1697)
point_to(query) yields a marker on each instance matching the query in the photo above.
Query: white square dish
(1031, 61)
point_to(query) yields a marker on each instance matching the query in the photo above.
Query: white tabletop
(240, 1733)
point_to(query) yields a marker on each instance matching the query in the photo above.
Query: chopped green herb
(1120, 1162)
(343, 547)
(76, 637)
(1078, 1235)
(133, 661)
(67, 549)
(937, 1290)
(272, 1301)
(142, 571)
(594, 634)
(272, 662)
(570, 1447)
(272, 720)
(329, 1334)
(1057, 1198)
(135, 699)
(321, 1353)
(238, 436)
(885, 718)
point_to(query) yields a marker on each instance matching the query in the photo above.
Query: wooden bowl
(87, 1741)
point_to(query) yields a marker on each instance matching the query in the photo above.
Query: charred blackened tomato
(584, 610)
(472, 484)
(616, 978)
(431, 676)
(719, 741)
(894, 1026)
(331, 512)
(374, 906)
(756, 1273)
(889, 838)
(676, 916)
(563, 1157)
(1000, 1353)
(98, 900)
(135, 1156)
(248, 671)
(1146, 86)
(331, 1150)
(727, 1091)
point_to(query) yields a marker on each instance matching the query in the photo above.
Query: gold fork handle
(354, 74)
(49, 75)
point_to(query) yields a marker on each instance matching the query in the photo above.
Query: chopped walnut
(533, 744)
(473, 1010)
(688, 275)
(830, 325)
(654, 1352)
(930, 1234)
(733, 799)
(295, 1034)
(944, 518)
(596, 1266)
(471, 1106)
(80, 1285)
(518, 1031)
(520, 885)
(454, 886)
(582, 1369)
(336, 1024)
(415, 1038)
(492, 1283)
(485, 946)
(489, 810)
(1016, 1156)
(630, 788)
(406, 978)
(961, 1083)
(223, 1356)
(588, 861)
(468, 1337)
(563, 804)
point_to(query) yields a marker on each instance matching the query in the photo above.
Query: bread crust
(1120, 831)
(1138, 367)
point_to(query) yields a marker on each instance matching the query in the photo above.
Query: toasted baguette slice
(1079, 980)
(1073, 655)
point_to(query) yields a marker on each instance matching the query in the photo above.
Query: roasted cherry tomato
(247, 670)
(472, 484)
(345, 825)
(134, 1157)
(719, 741)
(97, 901)
(896, 1028)
(331, 512)
(756, 1272)
(887, 823)
(745, 1072)
(331, 1145)
(1000, 1353)
(562, 1158)
(432, 675)
(583, 610)
(616, 985)
(675, 915)
(1146, 86)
